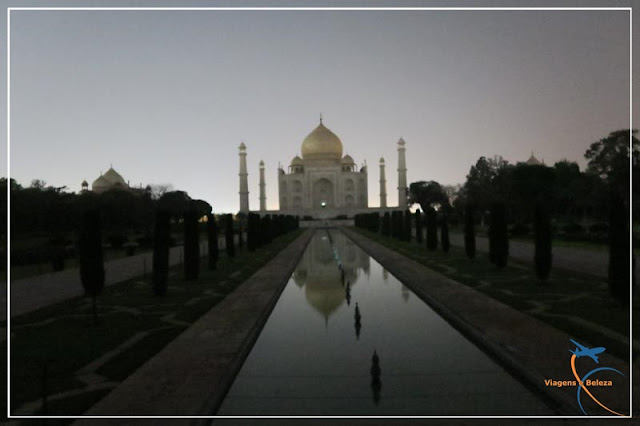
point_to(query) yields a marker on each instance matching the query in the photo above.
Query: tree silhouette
(90, 257)
(542, 230)
(469, 232)
(161, 237)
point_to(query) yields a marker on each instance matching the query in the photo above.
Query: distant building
(323, 183)
(533, 161)
(108, 181)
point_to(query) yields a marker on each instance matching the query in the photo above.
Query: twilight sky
(167, 96)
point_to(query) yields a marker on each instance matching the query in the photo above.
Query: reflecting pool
(347, 338)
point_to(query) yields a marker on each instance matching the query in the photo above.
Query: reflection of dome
(324, 293)
(322, 143)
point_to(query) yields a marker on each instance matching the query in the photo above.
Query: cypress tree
(407, 225)
(162, 235)
(498, 237)
(191, 244)
(386, 224)
(90, 257)
(228, 236)
(418, 216)
(542, 229)
(469, 232)
(619, 260)
(444, 233)
(252, 232)
(212, 238)
(432, 229)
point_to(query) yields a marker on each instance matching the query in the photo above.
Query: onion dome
(533, 161)
(100, 184)
(322, 144)
(297, 161)
(347, 159)
(114, 177)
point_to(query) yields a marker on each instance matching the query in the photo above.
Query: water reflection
(376, 383)
(330, 262)
(302, 366)
(405, 293)
(358, 324)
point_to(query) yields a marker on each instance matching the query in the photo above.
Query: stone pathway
(574, 259)
(29, 294)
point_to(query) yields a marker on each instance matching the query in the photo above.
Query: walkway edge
(192, 374)
(496, 343)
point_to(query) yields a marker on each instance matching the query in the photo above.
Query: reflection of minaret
(383, 185)
(385, 275)
(405, 293)
(402, 175)
(244, 185)
(263, 197)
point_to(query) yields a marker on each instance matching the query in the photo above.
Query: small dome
(347, 159)
(261, 163)
(297, 161)
(401, 142)
(242, 146)
(322, 144)
(84, 183)
(533, 161)
(381, 160)
(100, 183)
(113, 177)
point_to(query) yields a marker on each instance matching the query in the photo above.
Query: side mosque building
(323, 183)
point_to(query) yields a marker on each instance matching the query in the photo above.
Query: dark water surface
(314, 358)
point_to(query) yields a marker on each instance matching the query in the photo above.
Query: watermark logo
(585, 382)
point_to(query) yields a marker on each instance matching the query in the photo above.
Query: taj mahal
(323, 183)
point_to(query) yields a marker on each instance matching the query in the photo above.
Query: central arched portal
(322, 194)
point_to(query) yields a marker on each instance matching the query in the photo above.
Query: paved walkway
(574, 259)
(29, 294)
(192, 374)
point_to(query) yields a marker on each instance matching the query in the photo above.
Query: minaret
(402, 175)
(263, 197)
(244, 186)
(383, 185)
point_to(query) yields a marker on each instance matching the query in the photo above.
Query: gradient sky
(167, 96)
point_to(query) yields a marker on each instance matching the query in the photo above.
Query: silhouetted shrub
(406, 222)
(444, 233)
(385, 229)
(161, 240)
(498, 238)
(191, 244)
(228, 236)
(90, 256)
(212, 241)
(519, 230)
(253, 231)
(432, 229)
(619, 256)
(542, 229)
(116, 240)
(469, 233)
(573, 231)
(418, 218)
